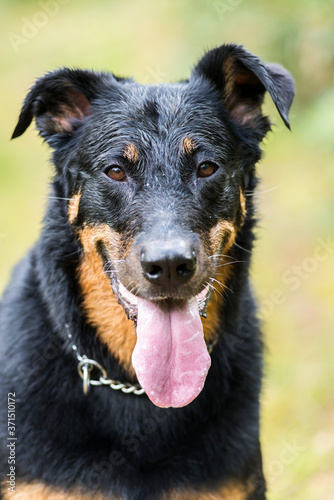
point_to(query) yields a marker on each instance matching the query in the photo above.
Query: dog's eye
(116, 173)
(206, 169)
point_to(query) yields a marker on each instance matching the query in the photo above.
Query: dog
(131, 350)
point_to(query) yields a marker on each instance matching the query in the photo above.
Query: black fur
(108, 441)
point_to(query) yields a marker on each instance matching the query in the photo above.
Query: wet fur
(108, 443)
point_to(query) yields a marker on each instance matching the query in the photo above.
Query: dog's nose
(168, 263)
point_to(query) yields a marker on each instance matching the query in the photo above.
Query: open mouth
(129, 301)
(171, 358)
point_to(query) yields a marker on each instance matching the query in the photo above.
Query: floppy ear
(59, 101)
(243, 79)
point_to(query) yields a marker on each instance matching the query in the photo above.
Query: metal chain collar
(86, 366)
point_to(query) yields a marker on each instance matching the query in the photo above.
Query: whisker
(242, 248)
(109, 273)
(217, 291)
(220, 256)
(77, 252)
(107, 267)
(100, 274)
(230, 263)
(56, 198)
(256, 193)
(111, 262)
(224, 275)
(217, 281)
(222, 285)
(134, 289)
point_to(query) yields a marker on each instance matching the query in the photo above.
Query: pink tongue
(171, 359)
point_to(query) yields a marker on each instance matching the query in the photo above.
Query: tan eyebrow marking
(188, 145)
(131, 153)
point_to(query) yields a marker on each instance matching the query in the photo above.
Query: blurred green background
(293, 264)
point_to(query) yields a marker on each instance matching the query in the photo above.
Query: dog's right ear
(59, 101)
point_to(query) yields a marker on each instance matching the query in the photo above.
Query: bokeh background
(293, 263)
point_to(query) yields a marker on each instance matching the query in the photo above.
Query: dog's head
(158, 178)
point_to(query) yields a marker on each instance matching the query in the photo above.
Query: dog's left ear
(243, 79)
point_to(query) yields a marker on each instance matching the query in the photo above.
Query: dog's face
(157, 178)
(163, 177)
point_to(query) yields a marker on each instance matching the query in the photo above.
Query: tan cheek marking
(131, 153)
(188, 145)
(243, 204)
(39, 491)
(73, 207)
(224, 230)
(114, 329)
(230, 491)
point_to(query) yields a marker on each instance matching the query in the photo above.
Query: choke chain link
(85, 367)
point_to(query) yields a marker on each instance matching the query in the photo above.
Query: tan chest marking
(231, 491)
(39, 491)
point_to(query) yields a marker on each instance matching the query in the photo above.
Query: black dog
(139, 282)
